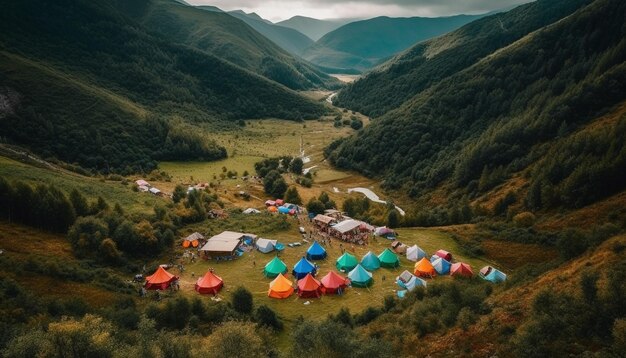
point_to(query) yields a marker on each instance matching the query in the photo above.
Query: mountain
(313, 28)
(289, 39)
(363, 44)
(83, 82)
(521, 111)
(227, 37)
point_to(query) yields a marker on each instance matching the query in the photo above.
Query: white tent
(414, 253)
(409, 281)
(251, 211)
(265, 245)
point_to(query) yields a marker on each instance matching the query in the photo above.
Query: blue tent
(493, 275)
(316, 252)
(283, 210)
(408, 281)
(441, 266)
(360, 277)
(303, 267)
(370, 261)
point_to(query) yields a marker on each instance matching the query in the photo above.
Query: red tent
(160, 280)
(309, 287)
(333, 283)
(461, 269)
(209, 283)
(444, 255)
(279, 202)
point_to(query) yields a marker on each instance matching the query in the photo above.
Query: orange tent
(209, 283)
(281, 287)
(333, 283)
(424, 268)
(309, 287)
(272, 209)
(160, 279)
(461, 269)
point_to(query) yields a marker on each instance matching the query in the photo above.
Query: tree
(296, 166)
(265, 316)
(79, 202)
(393, 218)
(315, 206)
(234, 339)
(274, 184)
(242, 301)
(179, 193)
(292, 196)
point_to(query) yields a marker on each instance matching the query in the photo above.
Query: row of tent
(308, 286)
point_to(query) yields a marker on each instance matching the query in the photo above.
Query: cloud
(282, 9)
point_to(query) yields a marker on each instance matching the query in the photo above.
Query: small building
(225, 244)
(323, 220)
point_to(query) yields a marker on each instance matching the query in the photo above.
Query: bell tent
(370, 261)
(346, 262)
(316, 252)
(280, 287)
(333, 283)
(274, 268)
(209, 283)
(302, 268)
(388, 259)
(309, 287)
(461, 269)
(160, 279)
(415, 253)
(423, 268)
(360, 277)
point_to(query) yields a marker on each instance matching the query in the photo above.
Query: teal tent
(491, 274)
(346, 262)
(388, 259)
(316, 252)
(274, 267)
(370, 261)
(360, 277)
(302, 268)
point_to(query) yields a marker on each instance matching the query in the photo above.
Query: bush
(524, 219)
(242, 300)
(265, 316)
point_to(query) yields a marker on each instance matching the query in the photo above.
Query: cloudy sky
(276, 10)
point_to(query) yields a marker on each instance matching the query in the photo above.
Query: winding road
(373, 197)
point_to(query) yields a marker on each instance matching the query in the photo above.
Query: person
(254, 263)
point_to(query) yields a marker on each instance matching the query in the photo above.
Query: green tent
(346, 262)
(274, 267)
(388, 259)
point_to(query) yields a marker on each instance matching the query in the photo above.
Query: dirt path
(373, 197)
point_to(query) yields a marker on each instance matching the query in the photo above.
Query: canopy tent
(424, 268)
(224, 243)
(491, 274)
(388, 259)
(408, 281)
(302, 268)
(333, 283)
(209, 283)
(160, 279)
(309, 287)
(360, 277)
(324, 220)
(193, 240)
(461, 269)
(370, 261)
(347, 226)
(444, 255)
(346, 262)
(265, 245)
(441, 266)
(274, 268)
(316, 252)
(415, 253)
(280, 287)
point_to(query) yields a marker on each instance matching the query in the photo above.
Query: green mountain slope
(415, 70)
(363, 44)
(476, 128)
(87, 84)
(228, 38)
(313, 28)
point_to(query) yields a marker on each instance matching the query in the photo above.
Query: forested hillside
(476, 128)
(84, 83)
(429, 62)
(363, 44)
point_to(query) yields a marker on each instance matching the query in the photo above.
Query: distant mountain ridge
(314, 28)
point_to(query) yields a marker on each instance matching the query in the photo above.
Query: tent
(461, 269)
(193, 240)
(160, 279)
(316, 252)
(441, 266)
(280, 202)
(408, 281)
(424, 268)
(275, 267)
(333, 283)
(309, 287)
(388, 259)
(302, 268)
(370, 261)
(491, 274)
(283, 210)
(272, 209)
(444, 255)
(280, 287)
(383, 231)
(360, 277)
(209, 283)
(265, 245)
(346, 262)
(251, 211)
(415, 253)
(270, 203)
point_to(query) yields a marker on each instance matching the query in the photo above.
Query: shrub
(524, 219)
(242, 300)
